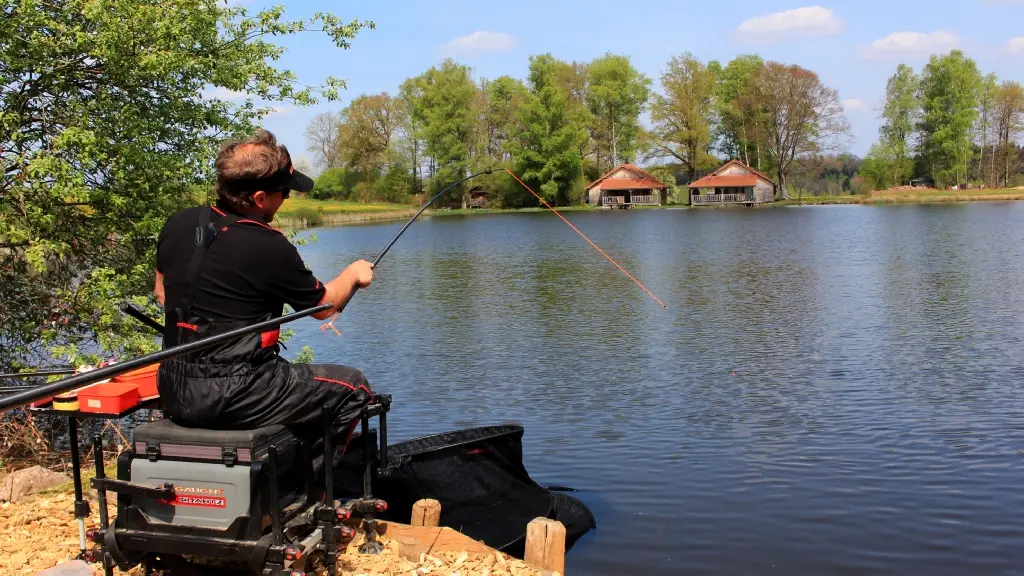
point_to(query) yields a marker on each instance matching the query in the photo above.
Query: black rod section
(383, 420)
(325, 415)
(101, 492)
(365, 425)
(93, 376)
(422, 208)
(133, 311)
(81, 506)
(275, 503)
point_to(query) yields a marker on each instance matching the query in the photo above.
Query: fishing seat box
(221, 478)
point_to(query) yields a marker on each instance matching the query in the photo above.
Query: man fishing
(223, 267)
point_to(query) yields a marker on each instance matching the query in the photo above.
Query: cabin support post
(545, 545)
(427, 513)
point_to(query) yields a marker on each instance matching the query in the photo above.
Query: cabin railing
(718, 198)
(635, 199)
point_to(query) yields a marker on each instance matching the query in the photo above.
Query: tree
(572, 78)
(949, 93)
(986, 100)
(616, 95)
(104, 131)
(505, 98)
(369, 124)
(899, 114)
(322, 140)
(547, 151)
(1009, 120)
(737, 129)
(411, 93)
(448, 123)
(801, 115)
(877, 169)
(683, 118)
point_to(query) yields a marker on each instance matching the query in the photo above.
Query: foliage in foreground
(104, 131)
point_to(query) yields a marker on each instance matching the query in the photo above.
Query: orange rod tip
(642, 287)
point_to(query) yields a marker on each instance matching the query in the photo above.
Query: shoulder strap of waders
(206, 233)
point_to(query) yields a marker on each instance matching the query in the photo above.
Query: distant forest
(569, 122)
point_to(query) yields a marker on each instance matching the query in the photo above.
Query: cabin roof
(735, 162)
(642, 180)
(713, 180)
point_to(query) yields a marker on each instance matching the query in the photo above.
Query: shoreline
(300, 219)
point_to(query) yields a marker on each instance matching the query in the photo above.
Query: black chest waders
(196, 388)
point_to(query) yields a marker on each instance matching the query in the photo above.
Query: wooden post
(545, 545)
(427, 513)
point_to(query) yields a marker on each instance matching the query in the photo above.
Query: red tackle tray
(144, 378)
(108, 397)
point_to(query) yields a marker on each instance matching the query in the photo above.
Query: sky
(854, 46)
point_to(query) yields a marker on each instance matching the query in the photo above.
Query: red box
(144, 378)
(108, 397)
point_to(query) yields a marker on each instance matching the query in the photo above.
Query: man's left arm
(158, 287)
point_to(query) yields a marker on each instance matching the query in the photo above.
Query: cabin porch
(628, 198)
(723, 195)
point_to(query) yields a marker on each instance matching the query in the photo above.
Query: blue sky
(853, 46)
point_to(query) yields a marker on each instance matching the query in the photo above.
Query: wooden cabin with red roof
(626, 186)
(733, 183)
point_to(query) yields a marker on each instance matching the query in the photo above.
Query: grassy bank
(467, 211)
(913, 196)
(306, 212)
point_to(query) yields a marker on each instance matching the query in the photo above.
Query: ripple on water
(831, 390)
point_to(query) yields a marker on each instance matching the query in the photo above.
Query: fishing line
(644, 288)
(377, 260)
(330, 323)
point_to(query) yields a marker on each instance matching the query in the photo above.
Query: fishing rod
(60, 372)
(91, 377)
(134, 311)
(380, 256)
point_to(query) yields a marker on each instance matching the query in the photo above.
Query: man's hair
(240, 163)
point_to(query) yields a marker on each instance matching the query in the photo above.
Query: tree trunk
(615, 147)
(746, 152)
(782, 185)
(1006, 146)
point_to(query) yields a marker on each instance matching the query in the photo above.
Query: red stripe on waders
(352, 428)
(345, 384)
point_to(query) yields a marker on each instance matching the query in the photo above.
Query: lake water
(832, 390)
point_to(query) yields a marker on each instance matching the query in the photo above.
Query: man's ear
(259, 199)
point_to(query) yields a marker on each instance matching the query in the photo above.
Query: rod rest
(165, 492)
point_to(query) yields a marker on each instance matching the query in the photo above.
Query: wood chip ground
(41, 532)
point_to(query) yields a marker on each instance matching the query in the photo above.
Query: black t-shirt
(249, 270)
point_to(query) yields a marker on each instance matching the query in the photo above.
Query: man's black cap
(297, 180)
(287, 177)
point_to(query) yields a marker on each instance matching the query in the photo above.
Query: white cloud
(855, 104)
(281, 110)
(222, 93)
(809, 21)
(479, 42)
(1015, 46)
(910, 44)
